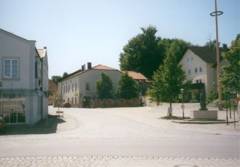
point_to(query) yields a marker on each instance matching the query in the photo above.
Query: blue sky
(78, 31)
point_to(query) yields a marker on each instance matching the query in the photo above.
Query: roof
(102, 67)
(135, 75)
(97, 67)
(207, 54)
(15, 36)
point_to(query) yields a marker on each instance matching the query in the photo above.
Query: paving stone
(115, 161)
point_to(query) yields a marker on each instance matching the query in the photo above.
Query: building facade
(198, 63)
(82, 83)
(23, 80)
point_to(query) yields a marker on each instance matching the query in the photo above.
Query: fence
(12, 110)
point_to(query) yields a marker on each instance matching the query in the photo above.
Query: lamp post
(182, 92)
(215, 14)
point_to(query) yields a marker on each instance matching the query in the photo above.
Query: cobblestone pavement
(115, 161)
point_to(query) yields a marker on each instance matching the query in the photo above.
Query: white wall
(190, 61)
(12, 46)
(90, 77)
(24, 51)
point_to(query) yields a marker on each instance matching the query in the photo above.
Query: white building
(199, 63)
(23, 80)
(82, 83)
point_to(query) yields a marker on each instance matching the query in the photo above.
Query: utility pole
(215, 14)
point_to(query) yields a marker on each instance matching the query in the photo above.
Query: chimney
(83, 67)
(89, 65)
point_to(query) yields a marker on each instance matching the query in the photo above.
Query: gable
(4, 33)
(207, 54)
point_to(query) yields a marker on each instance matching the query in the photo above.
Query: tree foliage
(146, 51)
(231, 71)
(104, 87)
(168, 79)
(56, 78)
(128, 88)
(65, 74)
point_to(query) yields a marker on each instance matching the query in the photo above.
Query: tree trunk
(230, 107)
(170, 110)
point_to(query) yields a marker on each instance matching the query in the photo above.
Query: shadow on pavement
(46, 126)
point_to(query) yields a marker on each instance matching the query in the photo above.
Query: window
(198, 81)
(196, 70)
(36, 69)
(189, 72)
(10, 68)
(200, 69)
(87, 86)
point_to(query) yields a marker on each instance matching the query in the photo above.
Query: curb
(203, 122)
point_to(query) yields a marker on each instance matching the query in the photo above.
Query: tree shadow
(45, 126)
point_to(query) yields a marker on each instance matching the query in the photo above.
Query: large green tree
(146, 51)
(231, 71)
(128, 88)
(104, 87)
(142, 53)
(168, 79)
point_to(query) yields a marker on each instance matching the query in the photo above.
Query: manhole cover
(185, 165)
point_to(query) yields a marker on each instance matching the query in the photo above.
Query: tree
(180, 50)
(231, 77)
(142, 53)
(168, 79)
(128, 88)
(65, 74)
(56, 78)
(104, 87)
(211, 44)
(145, 52)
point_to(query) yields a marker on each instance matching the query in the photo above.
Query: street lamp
(182, 92)
(215, 14)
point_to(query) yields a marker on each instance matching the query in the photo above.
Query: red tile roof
(102, 67)
(135, 75)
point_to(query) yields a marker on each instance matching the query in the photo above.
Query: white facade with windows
(23, 76)
(82, 83)
(198, 65)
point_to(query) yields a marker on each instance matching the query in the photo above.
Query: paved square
(124, 137)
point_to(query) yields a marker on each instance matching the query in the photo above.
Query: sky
(80, 31)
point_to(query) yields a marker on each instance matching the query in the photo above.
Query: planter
(204, 114)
